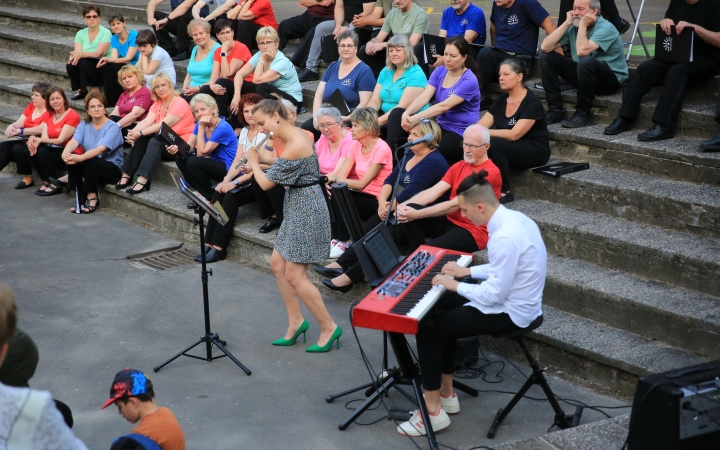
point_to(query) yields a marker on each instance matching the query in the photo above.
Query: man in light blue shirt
(509, 299)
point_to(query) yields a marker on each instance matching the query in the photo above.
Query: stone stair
(634, 242)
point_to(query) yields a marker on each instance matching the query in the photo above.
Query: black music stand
(209, 338)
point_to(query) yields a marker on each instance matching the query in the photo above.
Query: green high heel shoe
(288, 342)
(326, 348)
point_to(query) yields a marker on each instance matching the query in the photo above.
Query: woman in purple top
(456, 93)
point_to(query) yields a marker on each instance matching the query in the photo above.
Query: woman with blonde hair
(133, 104)
(147, 147)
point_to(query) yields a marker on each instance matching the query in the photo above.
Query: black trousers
(271, 201)
(145, 155)
(50, 161)
(395, 136)
(608, 9)
(200, 172)
(297, 27)
(675, 77)
(265, 90)
(377, 62)
(590, 76)
(223, 101)
(489, 60)
(112, 88)
(520, 155)
(449, 321)
(717, 107)
(246, 32)
(451, 147)
(16, 151)
(366, 205)
(178, 27)
(87, 176)
(219, 235)
(85, 74)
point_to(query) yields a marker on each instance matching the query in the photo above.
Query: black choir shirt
(530, 108)
(705, 13)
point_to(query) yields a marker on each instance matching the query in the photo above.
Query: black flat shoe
(308, 75)
(198, 258)
(506, 198)
(57, 182)
(79, 95)
(328, 272)
(24, 185)
(618, 125)
(145, 187)
(182, 56)
(191, 205)
(51, 190)
(657, 133)
(270, 225)
(215, 255)
(120, 186)
(329, 284)
(711, 145)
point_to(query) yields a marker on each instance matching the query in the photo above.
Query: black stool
(562, 420)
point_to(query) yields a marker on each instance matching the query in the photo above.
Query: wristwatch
(236, 181)
(223, 54)
(335, 179)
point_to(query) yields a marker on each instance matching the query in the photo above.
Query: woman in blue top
(352, 77)
(215, 144)
(91, 44)
(201, 59)
(273, 73)
(425, 168)
(123, 50)
(456, 92)
(100, 142)
(399, 83)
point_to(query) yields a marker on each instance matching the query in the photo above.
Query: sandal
(122, 185)
(43, 186)
(88, 208)
(145, 187)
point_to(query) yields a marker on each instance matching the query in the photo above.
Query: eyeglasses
(92, 17)
(343, 46)
(264, 43)
(225, 33)
(471, 146)
(427, 120)
(326, 126)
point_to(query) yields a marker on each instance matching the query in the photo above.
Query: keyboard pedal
(398, 415)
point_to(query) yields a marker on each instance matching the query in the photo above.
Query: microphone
(427, 138)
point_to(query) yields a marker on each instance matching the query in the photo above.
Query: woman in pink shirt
(371, 159)
(334, 143)
(133, 104)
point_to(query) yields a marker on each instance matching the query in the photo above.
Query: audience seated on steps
(400, 82)
(303, 26)
(153, 59)
(123, 50)
(372, 161)
(704, 17)
(424, 168)
(134, 102)
(59, 124)
(334, 144)
(464, 19)
(713, 145)
(249, 16)
(228, 59)
(596, 65)
(453, 88)
(215, 146)
(102, 155)
(345, 11)
(91, 44)
(350, 76)
(200, 65)
(518, 131)
(148, 148)
(175, 23)
(514, 29)
(29, 417)
(608, 9)
(407, 18)
(273, 73)
(28, 124)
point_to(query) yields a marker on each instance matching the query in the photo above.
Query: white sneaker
(415, 426)
(339, 248)
(451, 405)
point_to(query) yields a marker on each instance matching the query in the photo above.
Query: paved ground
(92, 312)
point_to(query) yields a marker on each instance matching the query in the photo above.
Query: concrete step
(9, 114)
(74, 8)
(678, 205)
(16, 92)
(36, 42)
(678, 158)
(33, 68)
(668, 256)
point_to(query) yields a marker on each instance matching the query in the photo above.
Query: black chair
(562, 420)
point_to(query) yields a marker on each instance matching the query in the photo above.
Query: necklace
(57, 116)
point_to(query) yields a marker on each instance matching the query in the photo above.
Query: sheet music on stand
(215, 210)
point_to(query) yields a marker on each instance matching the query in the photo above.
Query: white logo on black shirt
(513, 20)
(512, 121)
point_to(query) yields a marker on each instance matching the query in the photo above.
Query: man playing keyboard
(509, 299)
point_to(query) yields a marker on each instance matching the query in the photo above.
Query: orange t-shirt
(180, 108)
(163, 428)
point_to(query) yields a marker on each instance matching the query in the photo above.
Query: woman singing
(305, 231)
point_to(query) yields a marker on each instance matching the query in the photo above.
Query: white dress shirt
(515, 275)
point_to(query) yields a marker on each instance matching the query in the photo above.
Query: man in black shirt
(704, 16)
(303, 26)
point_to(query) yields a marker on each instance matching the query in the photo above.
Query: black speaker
(677, 410)
(466, 348)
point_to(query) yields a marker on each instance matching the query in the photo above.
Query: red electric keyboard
(405, 296)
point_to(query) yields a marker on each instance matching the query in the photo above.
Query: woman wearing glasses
(399, 83)
(352, 77)
(334, 143)
(518, 130)
(272, 72)
(91, 44)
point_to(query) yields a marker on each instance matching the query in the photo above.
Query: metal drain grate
(166, 260)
